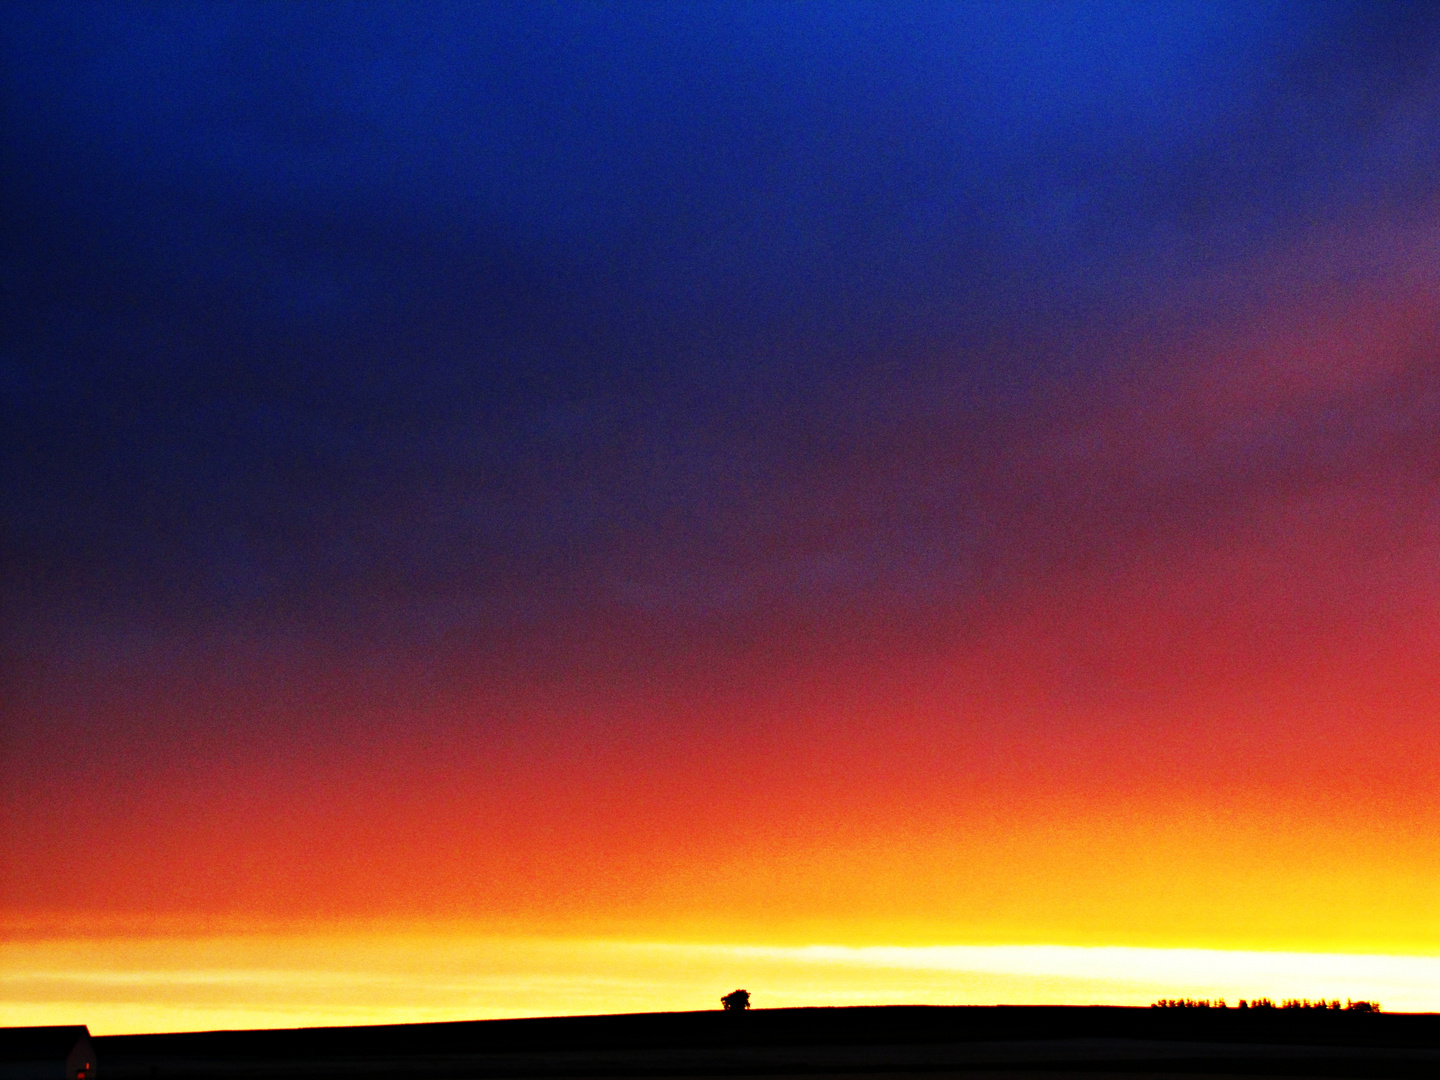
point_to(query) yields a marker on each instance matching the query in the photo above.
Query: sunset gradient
(564, 509)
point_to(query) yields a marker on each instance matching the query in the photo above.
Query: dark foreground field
(1014, 1042)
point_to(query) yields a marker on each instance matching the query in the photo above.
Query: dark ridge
(847, 1026)
(814, 1041)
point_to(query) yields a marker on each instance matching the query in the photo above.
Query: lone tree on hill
(736, 1000)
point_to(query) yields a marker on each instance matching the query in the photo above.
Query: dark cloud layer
(391, 322)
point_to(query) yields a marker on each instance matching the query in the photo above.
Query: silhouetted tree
(1288, 1003)
(1190, 1003)
(736, 1000)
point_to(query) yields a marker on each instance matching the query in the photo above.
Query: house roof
(40, 1043)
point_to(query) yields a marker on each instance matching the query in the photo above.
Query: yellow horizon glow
(230, 981)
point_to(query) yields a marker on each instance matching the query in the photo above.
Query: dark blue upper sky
(390, 319)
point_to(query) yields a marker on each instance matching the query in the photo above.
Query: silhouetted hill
(813, 1041)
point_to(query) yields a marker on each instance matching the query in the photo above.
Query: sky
(716, 476)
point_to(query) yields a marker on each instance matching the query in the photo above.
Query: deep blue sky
(388, 320)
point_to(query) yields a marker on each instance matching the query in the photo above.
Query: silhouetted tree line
(1266, 1003)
